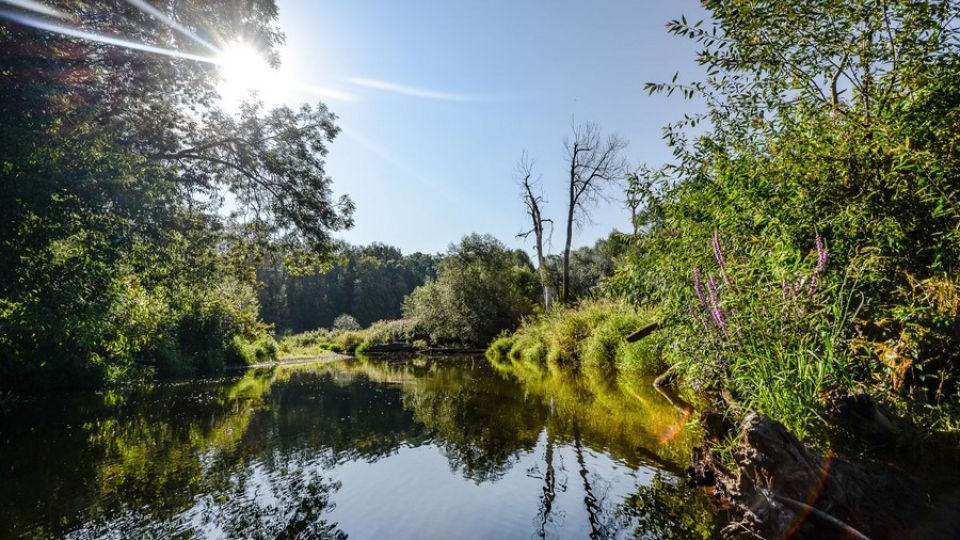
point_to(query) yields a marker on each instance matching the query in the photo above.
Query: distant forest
(371, 282)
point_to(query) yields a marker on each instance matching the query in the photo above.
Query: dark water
(441, 448)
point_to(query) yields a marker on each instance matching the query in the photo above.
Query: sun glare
(244, 71)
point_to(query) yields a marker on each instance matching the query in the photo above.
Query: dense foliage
(115, 244)
(481, 289)
(807, 242)
(368, 283)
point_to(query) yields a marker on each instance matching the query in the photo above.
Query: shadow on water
(365, 448)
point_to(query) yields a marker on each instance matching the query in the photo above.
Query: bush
(482, 288)
(398, 331)
(345, 322)
(591, 335)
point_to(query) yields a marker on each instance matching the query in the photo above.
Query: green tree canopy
(482, 288)
(117, 165)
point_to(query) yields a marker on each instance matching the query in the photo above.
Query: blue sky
(437, 100)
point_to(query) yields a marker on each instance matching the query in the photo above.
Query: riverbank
(753, 463)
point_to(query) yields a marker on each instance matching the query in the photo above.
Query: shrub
(345, 322)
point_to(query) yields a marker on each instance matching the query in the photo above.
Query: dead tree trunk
(595, 162)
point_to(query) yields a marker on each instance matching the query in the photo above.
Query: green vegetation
(117, 258)
(806, 244)
(482, 288)
(318, 342)
(367, 283)
(590, 335)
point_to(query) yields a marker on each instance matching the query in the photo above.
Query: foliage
(368, 283)
(591, 334)
(345, 322)
(114, 246)
(830, 130)
(481, 289)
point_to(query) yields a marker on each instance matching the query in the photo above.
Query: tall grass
(591, 335)
(320, 341)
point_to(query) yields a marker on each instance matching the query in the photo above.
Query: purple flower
(715, 312)
(712, 287)
(822, 255)
(718, 253)
(698, 286)
(813, 284)
(787, 290)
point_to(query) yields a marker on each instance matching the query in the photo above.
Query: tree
(116, 163)
(482, 288)
(532, 196)
(823, 201)
(594, 162)
(368, 282)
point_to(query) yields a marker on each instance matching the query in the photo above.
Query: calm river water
(392, 449)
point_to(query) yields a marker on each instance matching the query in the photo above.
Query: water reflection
(365, 448)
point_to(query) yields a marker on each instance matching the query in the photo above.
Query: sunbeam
(109, 40)
(35, 7)
(166, 19)
(327, 93)
(413, 91)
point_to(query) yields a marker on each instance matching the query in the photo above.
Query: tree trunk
(565, 284)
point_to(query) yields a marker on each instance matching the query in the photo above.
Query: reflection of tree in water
(290, 505)
(253, 503)
(546, 515)
(668, 509)
(239, 456)
(480, 421)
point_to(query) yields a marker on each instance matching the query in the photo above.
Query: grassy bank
(316, 342)
(591, 334)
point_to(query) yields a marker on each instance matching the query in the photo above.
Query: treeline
(367, 283)
(466, 296)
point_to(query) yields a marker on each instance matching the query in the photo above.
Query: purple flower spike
(822, 255)
(718, 253)
(698, 286)
(712, 287)
(715, 312)
(813, 284)
(787, 290)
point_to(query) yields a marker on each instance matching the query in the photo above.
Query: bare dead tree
(532, 195)
(595, 163)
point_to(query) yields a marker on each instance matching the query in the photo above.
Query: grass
(590, 335)
(317, 342)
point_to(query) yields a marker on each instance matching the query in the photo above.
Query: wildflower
(721, 260)
(715, 312)
(698, 286)
(822, 255)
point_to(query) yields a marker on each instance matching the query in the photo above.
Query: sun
(245, 72)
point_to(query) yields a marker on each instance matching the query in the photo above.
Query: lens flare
(166, 19)
(35, 7)
(100, 38)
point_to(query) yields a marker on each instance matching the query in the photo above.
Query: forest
(796, 258)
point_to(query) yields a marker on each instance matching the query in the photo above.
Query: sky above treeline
(437, 100)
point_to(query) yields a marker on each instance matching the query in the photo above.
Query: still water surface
(414, 448)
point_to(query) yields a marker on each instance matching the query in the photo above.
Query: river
(360, 448)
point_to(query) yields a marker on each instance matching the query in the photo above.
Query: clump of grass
(396, 331)
(591, 335)
(240, 351)
(317, 342)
